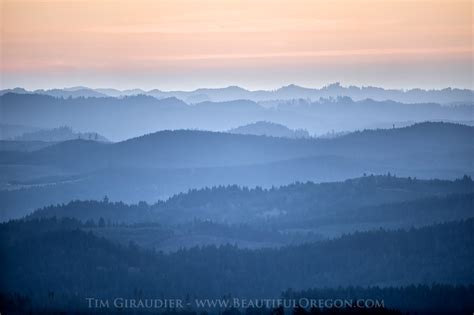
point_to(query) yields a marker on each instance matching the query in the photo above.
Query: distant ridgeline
(144, 114)
(64, 133)
(443, 96)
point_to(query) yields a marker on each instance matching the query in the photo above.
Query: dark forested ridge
(308, 201)
(255, 218)
(443, 299)
(59, 256)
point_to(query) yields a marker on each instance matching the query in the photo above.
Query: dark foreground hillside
(416, 299)
(55, 263)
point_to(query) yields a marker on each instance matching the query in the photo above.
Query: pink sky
(255, 44)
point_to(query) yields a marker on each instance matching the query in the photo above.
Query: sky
(259, 44)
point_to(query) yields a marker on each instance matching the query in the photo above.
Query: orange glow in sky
(256, 44)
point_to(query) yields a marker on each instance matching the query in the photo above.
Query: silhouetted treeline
(289, 92)
(58, 256)
(441, 298)
(269, 129)
(370, 199)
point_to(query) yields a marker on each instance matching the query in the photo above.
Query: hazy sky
(254, 44)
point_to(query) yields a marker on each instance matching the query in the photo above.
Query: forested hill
(381, 199)
(156, 166)
(417, 299)
(269, 129)
(442, 142)
(57, 256)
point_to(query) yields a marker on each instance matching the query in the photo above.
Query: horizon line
(217, 87)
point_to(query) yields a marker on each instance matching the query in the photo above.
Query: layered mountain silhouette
(146, 114)
(444, 96)
(230, 192)
(188, 148)
(164, 163)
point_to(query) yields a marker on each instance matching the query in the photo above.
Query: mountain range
(443, 96)
(123, 118)
(158, 165)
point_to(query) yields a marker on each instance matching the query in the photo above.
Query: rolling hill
(427, 145)
(269, 129)
(146, 114)
(158, 165)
